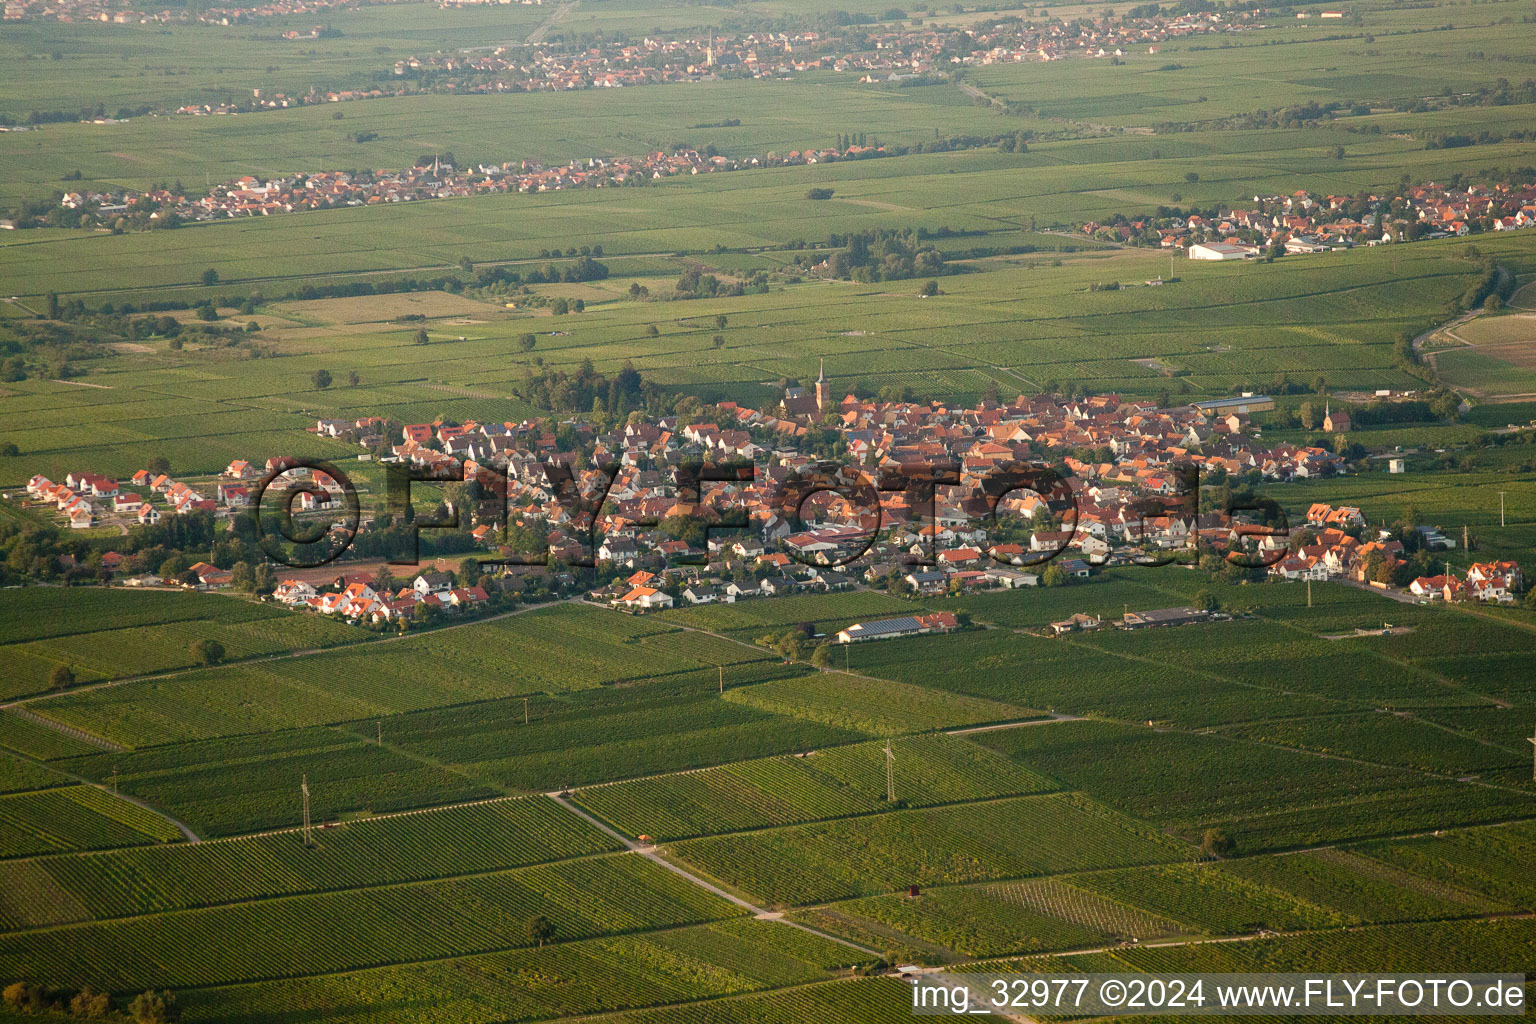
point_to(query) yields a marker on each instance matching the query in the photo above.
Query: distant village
(1126, 462)
(434, 178)
(1303, 222)
(884, 53)
(115, 12)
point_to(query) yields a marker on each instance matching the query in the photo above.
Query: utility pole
(721, 670)
(1309, 591)
(1466, 545)
(1501, 508)
(845, 656)
(114, 780)
(525, 710)
(304, 788)
(379, 732)
(890, 773)
(1532, 742)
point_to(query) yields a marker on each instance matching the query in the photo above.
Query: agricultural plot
(1000, 919)
(455, 917)
(1074, 676)
(1491, 862)
(1478, 945)
(1392, 739)
(599, 735)
(17, 776)
(75, 818)
(34, 740)
(872, 706)
(1011, 838)
(415, 847)
(832, 783)
(1265, 797)
(104, 634)
(230, 786)
(730, 958)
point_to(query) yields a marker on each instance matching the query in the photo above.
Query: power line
(890, 773)
(309, 839)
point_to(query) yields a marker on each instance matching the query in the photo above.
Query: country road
(559, 14)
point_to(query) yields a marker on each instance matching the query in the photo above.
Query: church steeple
(823, 389)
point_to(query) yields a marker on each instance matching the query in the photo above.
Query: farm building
(1164, 617)
(1214, 251)
(907, 625)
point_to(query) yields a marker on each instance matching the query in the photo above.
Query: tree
(652, 331)
(929, 289)
(207, 652)
(25, 996)
(241, 576)
(10, 448)
(353, 380)
(210, 277)
(1053, 577)
(821, 657)
(1308, 414)
(1493, 303)
(791, 645)
(1217, 843)
(420, 337)
(322, 379)
(720, 322)
(152, 1007)
(90, 1003)
(718, 341)
(541, 929)
(560, 307)
(1204, 600)
(159, 465)
(61, 677)
(525, 342)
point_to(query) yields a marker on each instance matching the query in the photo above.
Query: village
(118, 13)
(1303, 222)
(787, 528)
(882, 54)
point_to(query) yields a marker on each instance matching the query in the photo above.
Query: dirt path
(556, 16)
(653, 855)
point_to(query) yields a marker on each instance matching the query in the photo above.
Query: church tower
(823, 390)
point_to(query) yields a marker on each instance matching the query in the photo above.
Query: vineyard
(1002, 918)
(75, 818)
(455, 917)
(433, 844)
(1266, 797)
(586, 976)
(831, 783)
(1010, 838)
(103, 634)
(872, 706)
(229, 786)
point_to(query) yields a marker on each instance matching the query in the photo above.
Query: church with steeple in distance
(808, 404)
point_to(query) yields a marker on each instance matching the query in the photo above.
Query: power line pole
(525, 710)
(379, 727)
(1309, 591)
(1532, 742)
(114, 780)
(308, 835)
(1501, 508)
(721, 670)
(890, 773)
